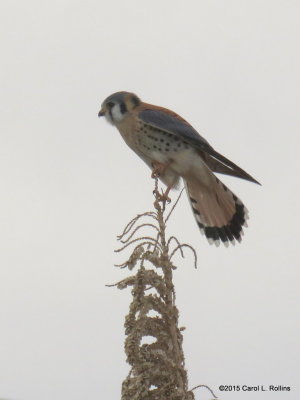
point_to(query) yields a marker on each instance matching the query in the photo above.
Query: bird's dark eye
(110, 105)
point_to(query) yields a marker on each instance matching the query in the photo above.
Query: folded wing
(170, 122)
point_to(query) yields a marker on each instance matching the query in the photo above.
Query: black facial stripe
(135, 100)
(123, 108)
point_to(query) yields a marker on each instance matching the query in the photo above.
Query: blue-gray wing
(178, 127)
(173, 125)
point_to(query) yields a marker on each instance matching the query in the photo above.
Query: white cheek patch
(117, 116)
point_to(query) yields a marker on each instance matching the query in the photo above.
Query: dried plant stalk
(157, 365)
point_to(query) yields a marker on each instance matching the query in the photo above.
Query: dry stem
(157, 365)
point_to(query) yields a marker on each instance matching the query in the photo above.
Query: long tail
(219, 213)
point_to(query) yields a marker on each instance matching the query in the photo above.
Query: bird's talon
(161, 197)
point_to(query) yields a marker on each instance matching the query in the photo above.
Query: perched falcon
(169, 144)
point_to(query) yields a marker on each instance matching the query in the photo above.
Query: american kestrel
(169, 144)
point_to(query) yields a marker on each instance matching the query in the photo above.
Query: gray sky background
(69, 185)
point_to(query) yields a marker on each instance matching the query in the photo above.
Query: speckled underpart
(151, 139)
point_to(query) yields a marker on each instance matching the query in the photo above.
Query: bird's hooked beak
(101, 113)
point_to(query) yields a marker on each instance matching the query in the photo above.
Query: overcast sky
(69, 185)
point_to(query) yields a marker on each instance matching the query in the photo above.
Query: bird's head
(116, 106)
